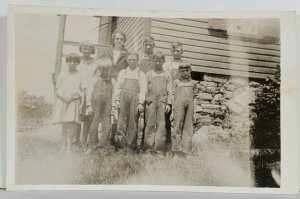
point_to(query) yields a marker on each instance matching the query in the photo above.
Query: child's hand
(117, 105)
(140, 108)
(168, 108)
(76, 95)
(114, 112)
(172, 117)
(89, 110)
(100, 127)
(68, 99)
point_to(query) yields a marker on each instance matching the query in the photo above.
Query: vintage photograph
(115, 100)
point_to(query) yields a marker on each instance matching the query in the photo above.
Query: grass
(38, 162)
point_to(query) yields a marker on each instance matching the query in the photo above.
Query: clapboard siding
(183, 24)
(225, 56)
(210, 54)
(221, 52)
(134, 29)
(213, 41)
(221, 65)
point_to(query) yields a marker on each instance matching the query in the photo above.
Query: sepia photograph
(127, 100)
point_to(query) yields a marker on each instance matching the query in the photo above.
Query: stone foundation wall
(225, 101)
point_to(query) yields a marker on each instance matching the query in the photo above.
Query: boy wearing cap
(158, 102)
(184, 91)
(100, 100)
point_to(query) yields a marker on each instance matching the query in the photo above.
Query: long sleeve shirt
(172, 66)
(152, 74)
(132, 74)
(146, 62)
(91, 87)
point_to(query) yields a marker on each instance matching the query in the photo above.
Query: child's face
(132, 61)
(72, 64)
(176, 52)
(86, 50)
(119, 40)
(158, 63)
(105, 72)
(148, 47)
(185, 72)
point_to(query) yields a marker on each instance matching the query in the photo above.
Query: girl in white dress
(87, 69)
(69, 89)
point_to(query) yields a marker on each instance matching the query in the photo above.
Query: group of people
(132, 98)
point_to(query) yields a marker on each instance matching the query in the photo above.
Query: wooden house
(234, 47)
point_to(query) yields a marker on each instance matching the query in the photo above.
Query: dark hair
(185, 64)
(105, 62)
(148, 39)
(158, 55)
(114, 35)
(73, 56)
(176, 45)
(89, 44)
(133, 53)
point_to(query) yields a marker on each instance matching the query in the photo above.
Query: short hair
(105, 62)
(158, 55)
(175, 45)
(133, 53)
(184, 65)
(148, 39)
(73, 56)
(88, 44)
(114, 35)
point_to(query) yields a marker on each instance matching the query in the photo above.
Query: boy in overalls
(184, 90)
(172, 67)
(130, 98)
(99, 103)
(158, 102)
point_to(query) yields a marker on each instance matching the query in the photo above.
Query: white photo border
(289, 105)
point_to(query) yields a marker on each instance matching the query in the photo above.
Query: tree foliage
(266, 132)
(32, 106)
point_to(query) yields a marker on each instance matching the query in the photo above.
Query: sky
(36, 43)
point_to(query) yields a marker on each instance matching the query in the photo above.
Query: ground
(38, 162)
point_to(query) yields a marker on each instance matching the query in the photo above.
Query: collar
(181, 79)
(148, 56)
(177, 60)
(73, 72)
(136, 69)
(88, 61)
(155, 72)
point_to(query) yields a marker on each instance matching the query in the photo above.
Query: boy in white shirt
(130, 97)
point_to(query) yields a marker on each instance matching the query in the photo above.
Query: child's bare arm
(58, 91)
(175, 84)
(89, 91)
(169, 89)
(118, 88)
